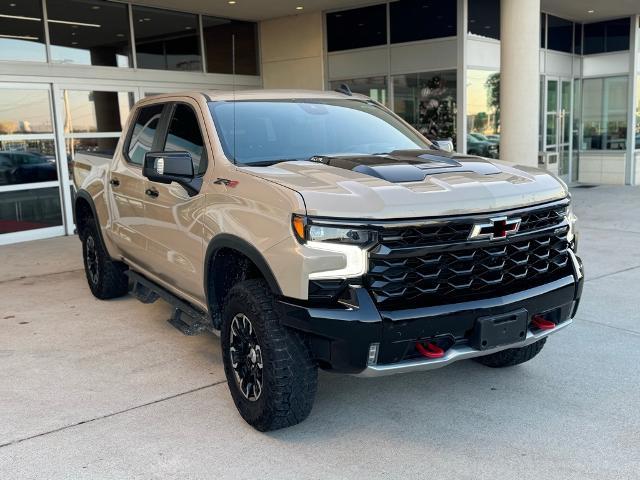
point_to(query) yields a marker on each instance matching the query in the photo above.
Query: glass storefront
(428, 102)
(604, 113)
(89, 32)
(23, 210)
(483, 112)
(29, 188)
(373, 87)
(99, 33)
(166, 40)
(93, 121)
(22, 31)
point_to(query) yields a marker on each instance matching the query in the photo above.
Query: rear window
(143, 134)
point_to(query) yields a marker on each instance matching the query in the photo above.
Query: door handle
(115, 182)
(152, 192)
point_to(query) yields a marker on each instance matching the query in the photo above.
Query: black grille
(415, 267)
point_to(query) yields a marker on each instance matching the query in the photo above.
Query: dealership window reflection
(604, 113)
(89, 32)
(483, 112)
(21, 31)
(428, 102)
(166, 40)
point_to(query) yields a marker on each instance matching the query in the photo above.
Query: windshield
(272, 130)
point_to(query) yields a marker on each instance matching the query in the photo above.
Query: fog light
(373, 354)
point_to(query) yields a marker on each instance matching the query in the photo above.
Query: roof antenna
(344, 88)
(233, 72)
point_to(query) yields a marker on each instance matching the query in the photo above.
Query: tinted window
(560, 36)
(422, 19)
(21, 32)
(271, 131)
(89, 32)
(218, 34)
(25, 111)
(166, 40)
(184, 136)
(608, 36)
(543, 30)
(617, 35)
(361, 27)
(484, 18)
(144, 131)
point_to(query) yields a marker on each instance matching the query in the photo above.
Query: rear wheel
(269, 369)
(512, 356)
(106, 277)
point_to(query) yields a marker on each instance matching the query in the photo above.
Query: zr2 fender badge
(226, 182)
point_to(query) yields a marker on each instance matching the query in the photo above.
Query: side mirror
(167, 167)
(446, 145)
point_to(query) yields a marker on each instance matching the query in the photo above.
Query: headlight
(307, 231)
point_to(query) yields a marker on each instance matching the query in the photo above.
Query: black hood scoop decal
(402, 166)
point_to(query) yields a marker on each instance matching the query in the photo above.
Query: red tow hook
(430, 350)
(542, 323)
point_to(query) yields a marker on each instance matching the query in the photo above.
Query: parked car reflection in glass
(482, 148)
(26, 167)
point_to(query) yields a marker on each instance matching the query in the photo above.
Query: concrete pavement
(92, 389)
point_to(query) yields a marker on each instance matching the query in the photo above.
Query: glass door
(30, 199)
(558, 123)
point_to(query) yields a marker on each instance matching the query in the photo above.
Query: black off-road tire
(512, 356)
(106, 277)
(289, 374)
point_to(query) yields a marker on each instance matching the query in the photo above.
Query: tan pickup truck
(319, 230)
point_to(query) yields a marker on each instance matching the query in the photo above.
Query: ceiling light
(299, 8)
(119, 34)
(76, 24)
(19, 37)
(231, 2)
(17, 17)
(12, 4)
(590, 11)
(95, 7)
(74, 43)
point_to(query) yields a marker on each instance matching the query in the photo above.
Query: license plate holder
(497, 330)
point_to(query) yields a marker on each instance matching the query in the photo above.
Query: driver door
(173, 226)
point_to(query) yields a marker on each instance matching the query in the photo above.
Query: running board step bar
(185, 317)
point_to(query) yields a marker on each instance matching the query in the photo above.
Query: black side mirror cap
(167, 167)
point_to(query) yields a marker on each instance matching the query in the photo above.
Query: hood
(411, 184)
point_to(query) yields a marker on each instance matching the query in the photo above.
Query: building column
(519, 80)
(292, 52)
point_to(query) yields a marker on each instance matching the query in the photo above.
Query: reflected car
(26, 167)
(485, 138)
(481, 148)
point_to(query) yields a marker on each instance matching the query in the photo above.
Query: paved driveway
(92, 389)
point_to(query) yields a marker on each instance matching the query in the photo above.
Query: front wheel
(269, 369)
(512, 356)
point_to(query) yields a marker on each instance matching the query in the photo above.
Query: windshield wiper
(267, 163)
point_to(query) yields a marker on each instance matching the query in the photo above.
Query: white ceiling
(264, 9)
(579, 9)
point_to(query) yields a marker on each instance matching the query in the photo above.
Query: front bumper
(340, 337)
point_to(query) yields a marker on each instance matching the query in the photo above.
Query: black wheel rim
(246, 357)
(92, 259)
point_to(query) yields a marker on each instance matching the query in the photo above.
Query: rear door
(173, 225)
(127, 184)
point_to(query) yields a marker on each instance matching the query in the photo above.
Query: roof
(228, 95)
